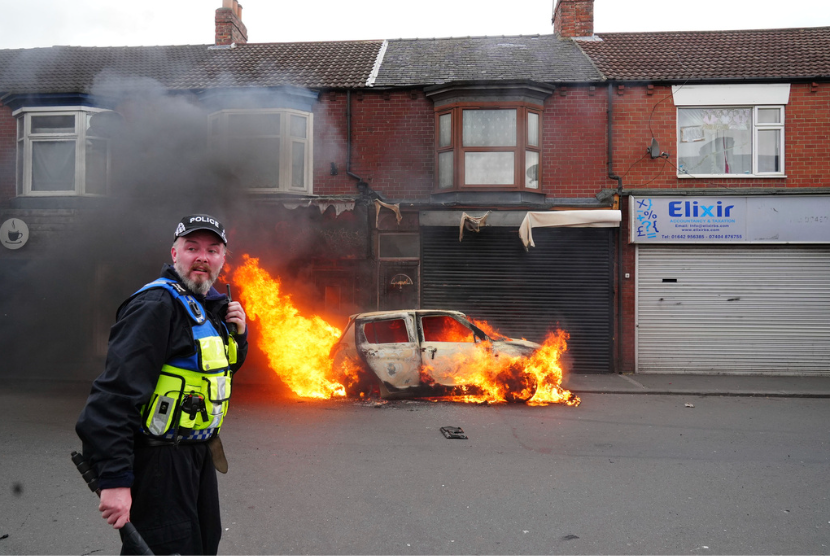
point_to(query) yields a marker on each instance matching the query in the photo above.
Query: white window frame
(219, 143)
(25, 138)
(755, 128)
(736, 96)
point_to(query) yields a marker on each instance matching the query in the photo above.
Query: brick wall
(806, 129)
(8, 150)
(574, 151)
(392, 144)
(393, 138)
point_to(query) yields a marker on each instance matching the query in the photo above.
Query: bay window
(489, 146)
(59, 153)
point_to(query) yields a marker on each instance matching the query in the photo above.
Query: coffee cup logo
(14, 233)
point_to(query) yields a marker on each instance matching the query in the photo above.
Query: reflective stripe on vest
(190, 399)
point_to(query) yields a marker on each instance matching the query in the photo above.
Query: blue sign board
(762, 219)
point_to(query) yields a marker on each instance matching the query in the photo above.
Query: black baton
(129, 535)
(231, 325)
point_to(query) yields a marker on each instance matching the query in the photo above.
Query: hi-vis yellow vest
(190, 400)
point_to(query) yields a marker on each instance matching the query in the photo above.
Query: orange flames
(297, 347)
(483, 377)
(298, 350)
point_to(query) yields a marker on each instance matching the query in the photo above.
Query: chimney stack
(229, 26)
(573, 18)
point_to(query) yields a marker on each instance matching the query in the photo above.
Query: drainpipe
(614, 176)
(362, 186)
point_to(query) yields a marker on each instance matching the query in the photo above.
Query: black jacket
(151, 328)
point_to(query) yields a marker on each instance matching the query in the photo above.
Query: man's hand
(236, 315)
(115, 506)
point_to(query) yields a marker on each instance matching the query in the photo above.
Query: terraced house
(660, 196)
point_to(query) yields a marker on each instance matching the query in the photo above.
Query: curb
(704, 393)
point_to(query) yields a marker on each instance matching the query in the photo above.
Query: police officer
(150, 424)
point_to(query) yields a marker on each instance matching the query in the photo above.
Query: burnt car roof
(401, 312)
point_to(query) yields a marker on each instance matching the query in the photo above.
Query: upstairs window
(58, 153)
(488, 147)
(730, 130)
(267, 151)
(731, 141)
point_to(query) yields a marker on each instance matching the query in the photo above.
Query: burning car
(428, 353)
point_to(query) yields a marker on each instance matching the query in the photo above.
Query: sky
(38, 23)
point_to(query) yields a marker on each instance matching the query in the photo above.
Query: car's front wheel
(520, 385)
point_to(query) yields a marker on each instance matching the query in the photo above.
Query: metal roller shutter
(565, 281)
(733, 310)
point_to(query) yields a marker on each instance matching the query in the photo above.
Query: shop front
(732, 284)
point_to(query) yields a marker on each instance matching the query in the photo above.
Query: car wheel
(521, 385)
(353, 376)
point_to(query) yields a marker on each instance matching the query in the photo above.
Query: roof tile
(701, 55)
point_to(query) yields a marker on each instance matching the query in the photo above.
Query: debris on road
(453, 432)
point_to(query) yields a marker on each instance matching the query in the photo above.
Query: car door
(448, 347)
(389, 347)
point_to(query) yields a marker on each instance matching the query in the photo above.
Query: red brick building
(346, 165)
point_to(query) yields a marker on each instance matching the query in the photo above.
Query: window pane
(240, 125)
(53, 124)
(533, 129)
(297, 165)
(398, 246)
(489, 128)
(445, 329)
(20, 123)
(715, 141)
(769, 115)
(298, 126)
(96, 167)
(532, 169)
(445, 169)
(53, 166)
(445, 130)
(386, 332)
(489, 168)
(769, 150)
(256, 162)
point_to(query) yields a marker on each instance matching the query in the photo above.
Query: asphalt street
(620, 474)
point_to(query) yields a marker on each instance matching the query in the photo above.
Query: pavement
(699, 385)
(601, 383)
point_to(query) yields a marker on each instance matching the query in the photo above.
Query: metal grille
(735, 310)
(564, 282)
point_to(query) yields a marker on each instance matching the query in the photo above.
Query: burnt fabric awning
(567, 219)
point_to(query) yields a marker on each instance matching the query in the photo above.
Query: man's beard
(196, 287)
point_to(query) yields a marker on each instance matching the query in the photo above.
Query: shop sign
(793, 219)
